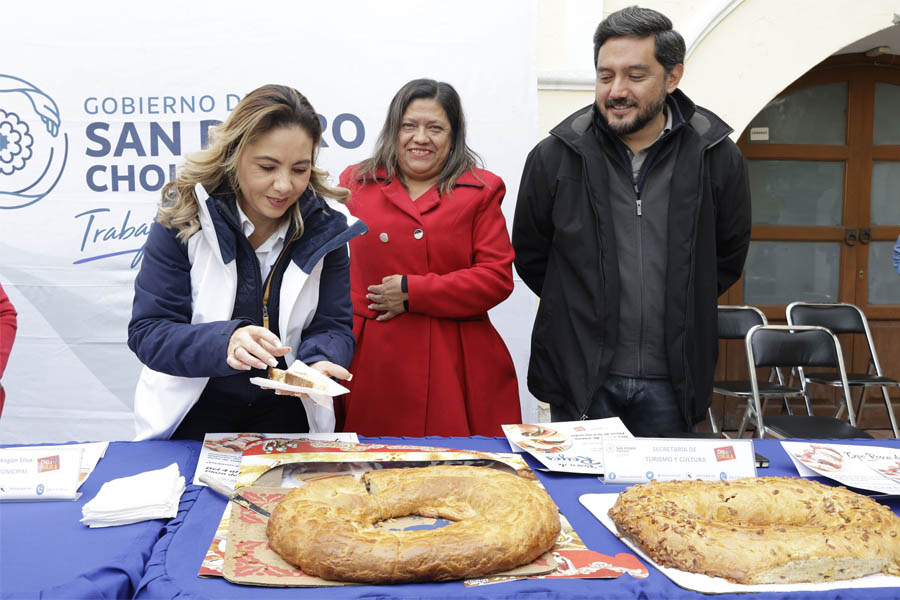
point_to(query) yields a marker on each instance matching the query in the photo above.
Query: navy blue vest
(236, 390)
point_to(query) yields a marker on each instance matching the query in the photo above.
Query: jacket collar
(431, 199)
(469, 178)
(709, 127)
(600, 126)
(222, 208)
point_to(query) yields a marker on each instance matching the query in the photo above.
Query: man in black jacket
(633, 216)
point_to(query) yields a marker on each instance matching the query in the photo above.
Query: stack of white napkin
(148, 495)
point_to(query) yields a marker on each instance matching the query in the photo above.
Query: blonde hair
(262, 110)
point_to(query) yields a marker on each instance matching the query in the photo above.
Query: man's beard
(644, 115)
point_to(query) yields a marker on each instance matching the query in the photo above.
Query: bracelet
(404, 287)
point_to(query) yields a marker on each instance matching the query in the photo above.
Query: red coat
(7, 335)
(441, 368)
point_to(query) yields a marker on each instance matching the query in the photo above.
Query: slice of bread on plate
(302, 375)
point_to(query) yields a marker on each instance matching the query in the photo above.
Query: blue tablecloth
(45, 552)
(172, 569)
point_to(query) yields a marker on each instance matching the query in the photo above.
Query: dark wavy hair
(635, 21)
(460, 159)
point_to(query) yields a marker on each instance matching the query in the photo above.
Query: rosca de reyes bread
(760, 530)
(327, 528)
(291, 378)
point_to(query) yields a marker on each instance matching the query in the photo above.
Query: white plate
(334, 388)
(599, 505)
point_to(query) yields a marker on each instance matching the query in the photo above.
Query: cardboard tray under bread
(240, 550)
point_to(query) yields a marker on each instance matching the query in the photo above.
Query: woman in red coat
(436, 258)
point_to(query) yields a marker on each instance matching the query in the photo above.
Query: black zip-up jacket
(566, 253)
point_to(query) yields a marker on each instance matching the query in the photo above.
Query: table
(172, 567)
(46, 552)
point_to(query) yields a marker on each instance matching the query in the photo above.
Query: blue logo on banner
(32, 152)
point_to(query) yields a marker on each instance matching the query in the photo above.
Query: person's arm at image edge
(8, 325)
(897, 256)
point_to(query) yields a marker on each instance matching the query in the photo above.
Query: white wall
(565, 68)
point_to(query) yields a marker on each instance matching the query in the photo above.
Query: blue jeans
(647, 407)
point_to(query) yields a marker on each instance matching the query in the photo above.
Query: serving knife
(232, 495)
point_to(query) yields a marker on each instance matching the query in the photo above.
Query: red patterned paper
(587, 563)
(249, 562)
(575, 561)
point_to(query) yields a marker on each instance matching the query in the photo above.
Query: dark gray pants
(647, 407)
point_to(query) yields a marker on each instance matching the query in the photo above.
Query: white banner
(99, 104)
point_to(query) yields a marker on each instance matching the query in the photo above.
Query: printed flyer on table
(872, 468)
(567, 446)
(221, 454)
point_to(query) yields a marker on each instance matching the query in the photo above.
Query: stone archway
(758, 48)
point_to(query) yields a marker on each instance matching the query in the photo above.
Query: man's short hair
(635, 21)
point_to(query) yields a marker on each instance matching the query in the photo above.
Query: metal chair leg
(839, 413)
(890, 410)
(712, 420)
(787, 406)
(745, 419)
(862, 402)
(809, 410)
(870, 370)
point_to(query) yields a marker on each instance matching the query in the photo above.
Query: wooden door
(824, 162)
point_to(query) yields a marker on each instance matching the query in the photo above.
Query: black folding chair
(734, 323)
(846, 318)
(799, 347)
